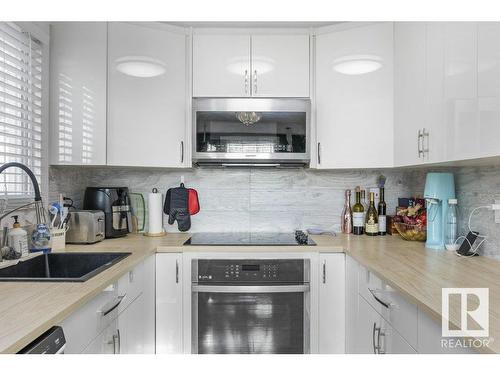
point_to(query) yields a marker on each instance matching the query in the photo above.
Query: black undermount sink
(58, 267)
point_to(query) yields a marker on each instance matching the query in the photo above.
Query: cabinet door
(148, 296)
(376, 336)
(221, 65)
(436, 140)
(409, 90)
(147, 96)
(131, 328)
(354, 97)
(169, 303)
(78, 93)
(430, 340)
(460, 90)
(489, 88)
(332, 304)
(351, 302)
(280, 65)
(107, 342)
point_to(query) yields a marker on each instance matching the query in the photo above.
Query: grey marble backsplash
(474, 186)
(284, 200)
(242, 199)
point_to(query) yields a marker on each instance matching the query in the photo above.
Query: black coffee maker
(115, 203)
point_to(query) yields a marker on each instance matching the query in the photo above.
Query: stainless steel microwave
(251, 132)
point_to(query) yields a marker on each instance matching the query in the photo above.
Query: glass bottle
(382, 212)
(346, 218)
(451, 233)
(363, 202)
(358, 224)
(371, 223)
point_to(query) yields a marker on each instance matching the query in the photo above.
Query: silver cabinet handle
(182, 152)
(425, 135)
(176, 271)
(246, 82)
(250, 288)
(324, 272)
(387, 305)
(374, 330)
(319, 153)
(420, 143)
(255, 81)
(110, 306)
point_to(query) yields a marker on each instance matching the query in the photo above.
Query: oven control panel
(249, 270)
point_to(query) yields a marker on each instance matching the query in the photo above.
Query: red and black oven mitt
(180, 204)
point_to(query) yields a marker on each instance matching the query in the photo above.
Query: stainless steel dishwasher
(250, 306)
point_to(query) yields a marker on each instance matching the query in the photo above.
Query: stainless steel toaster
(85, 226)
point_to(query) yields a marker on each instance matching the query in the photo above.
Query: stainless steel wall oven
(250, 306)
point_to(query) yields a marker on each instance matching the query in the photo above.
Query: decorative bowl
(411, 232)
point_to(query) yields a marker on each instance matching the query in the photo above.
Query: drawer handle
(109, 307)
(387, 305)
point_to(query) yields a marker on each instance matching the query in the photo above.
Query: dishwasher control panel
(250, 270)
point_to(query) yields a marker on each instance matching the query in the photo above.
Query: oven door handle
(250, 288)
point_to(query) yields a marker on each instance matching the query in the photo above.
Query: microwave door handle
(302, 288)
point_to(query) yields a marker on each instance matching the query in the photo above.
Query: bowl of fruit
(411, 223)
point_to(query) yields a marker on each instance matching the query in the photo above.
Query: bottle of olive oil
(371, 224)
(358, 224)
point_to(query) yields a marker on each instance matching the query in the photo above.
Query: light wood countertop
(30, 308)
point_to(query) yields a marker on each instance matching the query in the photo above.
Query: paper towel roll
(155, 213)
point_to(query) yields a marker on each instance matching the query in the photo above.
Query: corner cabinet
(78, 93)
(243, 65)
(354, 97)
(146, 96)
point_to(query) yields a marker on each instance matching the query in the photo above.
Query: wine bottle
(346, 218)
(382, 218)
(371, 223)
(358, 224)
(363, 202)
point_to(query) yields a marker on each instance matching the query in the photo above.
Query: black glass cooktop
(249, 239)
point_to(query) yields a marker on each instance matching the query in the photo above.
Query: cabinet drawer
(84, 325)
(130, 286)
(393, 307)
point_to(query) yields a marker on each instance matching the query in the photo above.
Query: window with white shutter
(21, 58)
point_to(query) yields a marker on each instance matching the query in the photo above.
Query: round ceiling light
(357, 64)
(140, 66)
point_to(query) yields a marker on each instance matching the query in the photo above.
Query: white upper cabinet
(460, 90)
(409, 91)
(78, 93)
(221, 65)
(235, 65)
(354, 97)
(280, 65)
(489, 88)
(146, 96)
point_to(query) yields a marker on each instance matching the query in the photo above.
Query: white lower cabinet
(108, 341)
(120, 320)
(380, 320)
(331, 302)
(375, 335)
(169, 323)
(131, 328)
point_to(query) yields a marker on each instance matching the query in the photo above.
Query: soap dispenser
(18, 238)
